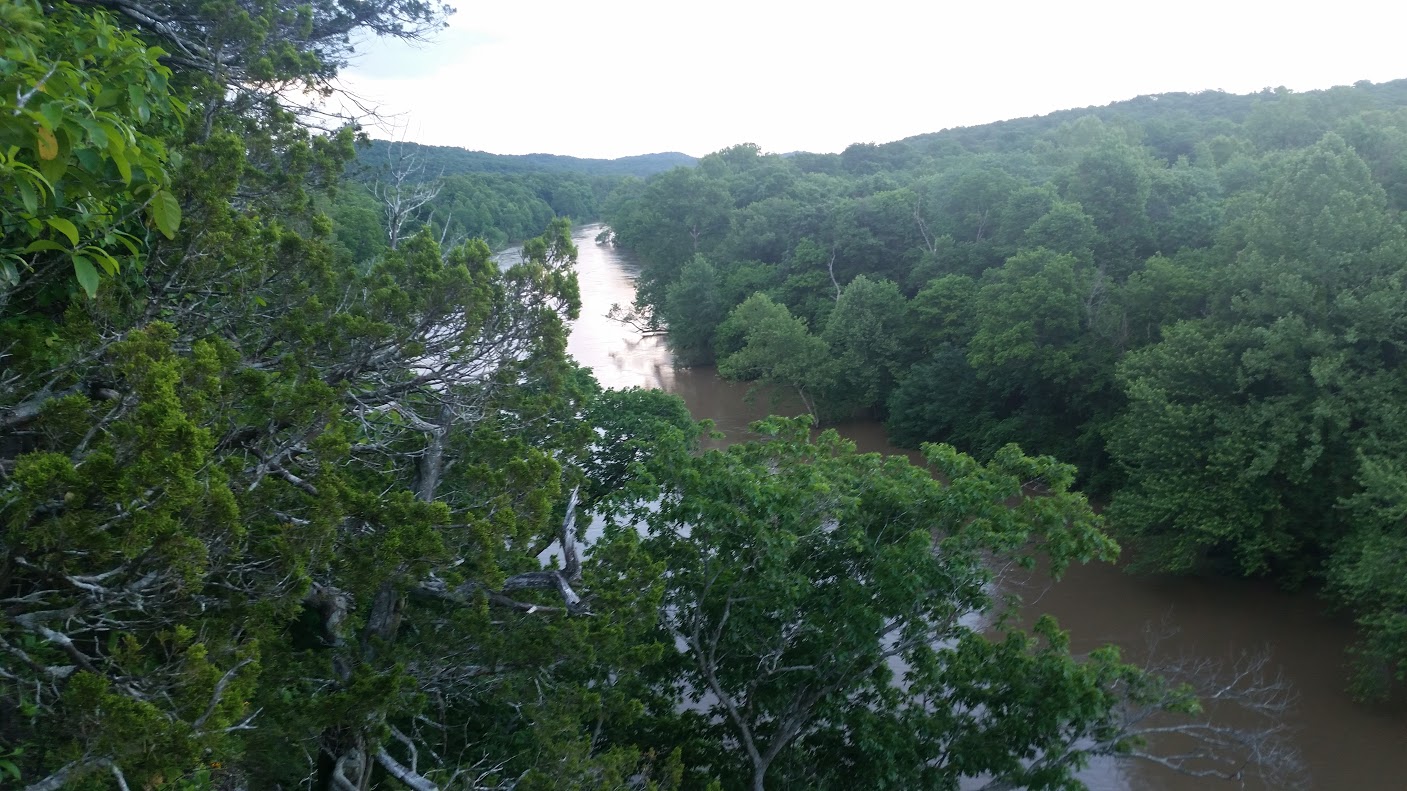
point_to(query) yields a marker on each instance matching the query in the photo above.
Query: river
(1345, 745)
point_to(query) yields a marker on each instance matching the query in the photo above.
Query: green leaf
(64, 227)
(126, 240)
(166, 213)
(108, 263)
(96, 133)
(28, 196)
(108, 97)
(124, 168)
(43, 244)
(139, 101)
(87, 274)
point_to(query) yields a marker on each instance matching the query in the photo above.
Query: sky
(612, 78)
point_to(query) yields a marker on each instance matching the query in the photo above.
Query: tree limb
(402, 773)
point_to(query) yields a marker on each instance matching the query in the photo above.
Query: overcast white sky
(610, 78)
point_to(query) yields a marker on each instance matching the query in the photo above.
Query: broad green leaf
(28, 196)
(43, 244)
(139, 101)
(108, 263)
(64, 227)
(96, 133)
(109, 97)
(126, 240)
(87, 274)
(120, 160)
(166, 213)
(88, 159)
(53, 112)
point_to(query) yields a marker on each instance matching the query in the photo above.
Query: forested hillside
(461, 194)
(278, 513)
(1196, 299)
(449, 159)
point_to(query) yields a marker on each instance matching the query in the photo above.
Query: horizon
(887, 142)
(625, 76)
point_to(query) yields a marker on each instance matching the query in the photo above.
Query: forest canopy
(1197, 299)
(288, 504)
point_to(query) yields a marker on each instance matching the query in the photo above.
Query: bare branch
(641, 319)
(830, 267)
(219, 692)
(571, 557)
(402, 773)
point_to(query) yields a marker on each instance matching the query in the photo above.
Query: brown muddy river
(1344, 745)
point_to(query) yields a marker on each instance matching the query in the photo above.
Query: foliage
(692, 311)
(286, 503)
(1194, 297)
(761, 341)
(272, 519)
(831, 613)
(451, 160)
(85, 107)
(866, 333)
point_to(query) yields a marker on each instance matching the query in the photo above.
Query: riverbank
(1345, 744)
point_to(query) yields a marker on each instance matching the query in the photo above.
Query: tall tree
(693, 309)
(265, 514)
(761, 341)
(866, 333)
(831, 613)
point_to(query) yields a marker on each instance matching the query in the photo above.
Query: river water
(1344, 745)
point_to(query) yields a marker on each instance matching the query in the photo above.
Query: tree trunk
(759, 774)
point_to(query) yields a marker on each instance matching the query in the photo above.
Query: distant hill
(448, 160)
(1163, 109)
(1169, 124)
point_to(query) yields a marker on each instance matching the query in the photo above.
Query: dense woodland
(463, 195)
(286, 507)
(1198, 300)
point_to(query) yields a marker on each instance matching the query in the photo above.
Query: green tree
(680, 213)
(1244, 428)
(1036, 347)
(1365, 574)
(867, 335)
(265, 512)
(693, 309)
(829, 609)
(761, 341)
(1111, 181)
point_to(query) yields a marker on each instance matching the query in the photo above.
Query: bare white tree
(403, 191)
(1221, 721)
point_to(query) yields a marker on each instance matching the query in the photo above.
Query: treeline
(275, 515)
(1198, 299)
(450, 159)
(500, 209)
(499, 198)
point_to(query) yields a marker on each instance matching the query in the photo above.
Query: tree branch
(402, 773)
(219, 692)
